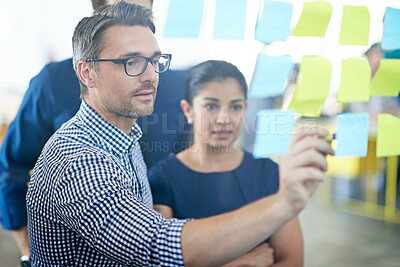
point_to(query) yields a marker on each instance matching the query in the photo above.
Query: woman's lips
(224, 134)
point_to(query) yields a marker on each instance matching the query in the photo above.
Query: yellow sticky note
(346, 167)
(355, 81)
(306, 108)
(355, 25)
(388, 141)
(386, 81)
(314, 79)
(314, 19)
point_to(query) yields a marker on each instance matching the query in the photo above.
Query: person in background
(376, 104)
(374, 54)
(213, 176)
(52, 98)
(89, 201)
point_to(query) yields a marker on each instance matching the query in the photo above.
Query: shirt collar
(120, 142)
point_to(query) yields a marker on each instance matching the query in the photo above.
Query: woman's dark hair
(212, 70)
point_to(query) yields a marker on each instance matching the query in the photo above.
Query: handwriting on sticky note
(352, 135)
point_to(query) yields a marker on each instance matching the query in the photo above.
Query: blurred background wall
(33, 33)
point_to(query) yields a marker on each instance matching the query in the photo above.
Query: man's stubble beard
(132, 112)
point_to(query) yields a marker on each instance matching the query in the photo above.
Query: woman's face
(218, 113)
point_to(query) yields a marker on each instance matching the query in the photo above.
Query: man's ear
(86, 73)
(187, 110)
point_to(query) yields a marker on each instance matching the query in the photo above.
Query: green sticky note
(388, 141)
(314, 19)
(355, 26)
(386, 81)
(306, 108)
(356, 78)
(314, 78)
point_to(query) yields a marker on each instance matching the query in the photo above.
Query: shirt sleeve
(20, 149)
(93, 199)
(159, 180)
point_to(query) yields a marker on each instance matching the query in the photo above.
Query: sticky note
(391, 29)
(274, 23)
(312, 87)
(273, 132)
(314, 78)
(184, 18)
(355, 81)
(314, 19)
(386, 81)
(355, 26)
(388, 141)
(352, 135)
(270, 76)
(230, 19)
(311, 108)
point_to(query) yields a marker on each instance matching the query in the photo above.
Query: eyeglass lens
(137, 65)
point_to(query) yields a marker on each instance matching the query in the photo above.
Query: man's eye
(131, 63)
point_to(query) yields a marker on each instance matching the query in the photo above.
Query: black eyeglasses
(136, 65)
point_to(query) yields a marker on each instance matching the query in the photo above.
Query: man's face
(145, 3)
(117, 95)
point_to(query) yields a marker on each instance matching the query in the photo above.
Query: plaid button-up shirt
(89, 201)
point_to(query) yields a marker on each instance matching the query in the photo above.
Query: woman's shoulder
(164, 164)
(168, 166)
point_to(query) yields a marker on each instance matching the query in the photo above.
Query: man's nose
(149, 75)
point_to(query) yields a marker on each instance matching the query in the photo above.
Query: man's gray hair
(87, 39)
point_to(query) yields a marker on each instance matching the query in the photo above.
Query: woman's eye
(237, 107)
(210, 106)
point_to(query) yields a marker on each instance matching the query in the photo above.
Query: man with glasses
(89, 202)
(52, 98)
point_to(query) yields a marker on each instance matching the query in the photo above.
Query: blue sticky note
(184, 18)
(273, 132)
(230, 19)
(391, 29)
(274, 24)
(270, 76)
(352, 135)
